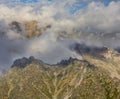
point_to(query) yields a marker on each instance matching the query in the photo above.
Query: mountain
(90, 78)
(29, 29)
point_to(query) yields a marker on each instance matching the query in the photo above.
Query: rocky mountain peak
(23, 62)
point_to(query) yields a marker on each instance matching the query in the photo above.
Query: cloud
(95, 24)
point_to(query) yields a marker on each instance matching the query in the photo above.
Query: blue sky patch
(78, 7)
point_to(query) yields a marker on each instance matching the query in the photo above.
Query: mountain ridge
(78, 79)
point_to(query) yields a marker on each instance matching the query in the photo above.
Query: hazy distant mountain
(93, 77)
(29, 29)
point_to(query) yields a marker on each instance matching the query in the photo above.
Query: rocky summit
(90, 78)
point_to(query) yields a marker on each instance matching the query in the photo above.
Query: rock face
(91, 77)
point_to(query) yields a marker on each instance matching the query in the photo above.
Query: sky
(83, 2)
(79, 4)
(93, 22)
(106, 2)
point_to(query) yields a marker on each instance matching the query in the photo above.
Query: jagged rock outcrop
(66, 62)
(23, 62)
